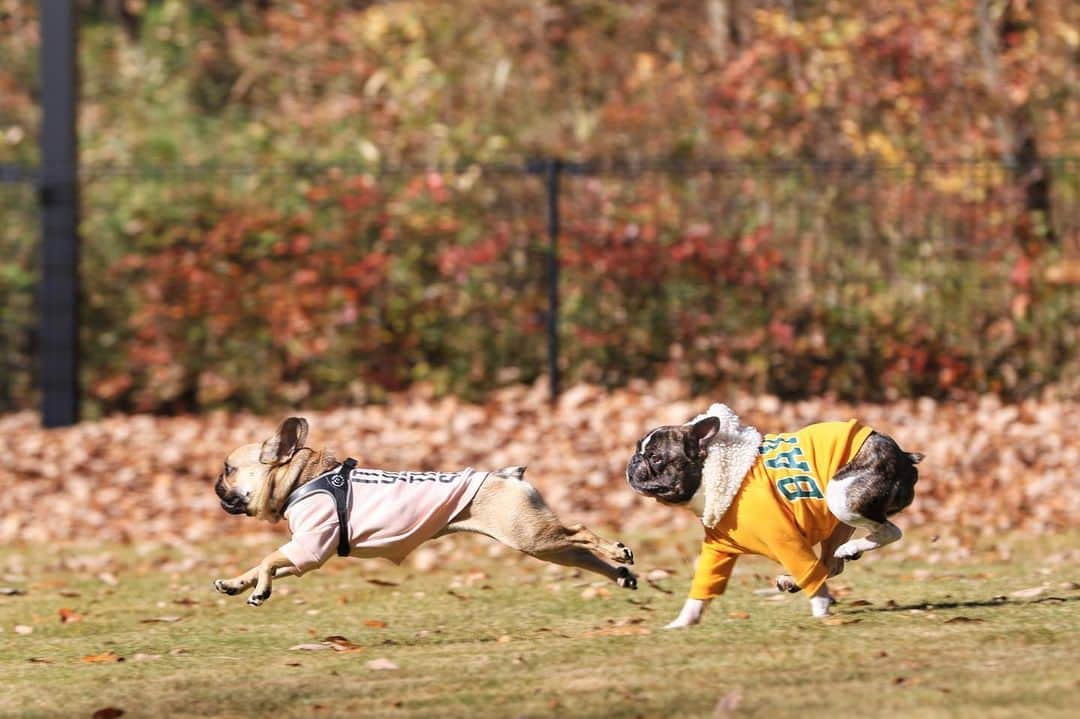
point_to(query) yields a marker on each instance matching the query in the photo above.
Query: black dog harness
(338, 484)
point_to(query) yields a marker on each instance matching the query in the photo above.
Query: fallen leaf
(382, 582)
(623, 631)
(103, 658)
(504, 639)
(375, 623)
(23, 629)
(728, 703)
(595, 592)
(38, 660)
(341, 644)
(964, 620)
(109, 578)
(860, 603)
(164, 620)
(310, 647)
(68, 616)
(837, 621)
(381, 664)
(141, 657)
(739, 615)
(188, 601)
(1028, 593)
(11, 592)
(108, 713)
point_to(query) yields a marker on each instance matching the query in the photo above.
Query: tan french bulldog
(388, 514)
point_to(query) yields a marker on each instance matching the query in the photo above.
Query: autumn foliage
(318, 203)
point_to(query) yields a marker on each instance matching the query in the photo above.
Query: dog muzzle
(230, 501)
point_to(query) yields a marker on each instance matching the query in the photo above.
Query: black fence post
(552, 169)
(58, 197)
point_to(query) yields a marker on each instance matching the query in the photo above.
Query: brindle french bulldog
(777, 496)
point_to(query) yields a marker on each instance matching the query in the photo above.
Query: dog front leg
(268, 568)
(841, 534)
(691, 613)
(820, 602)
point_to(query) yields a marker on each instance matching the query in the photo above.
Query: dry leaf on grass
(382, 582)
(595, 593)
(164, 620)
(23, 629)
(739, 615)
(618, 631)
(1028, 593)
(341, 644)
(68, 616)
(11, 592)
(375, 623)
(964, 620)
(727, 704)
(837, 621)
(103, 658)
(381, 664)
(310, 647)
(108, 713)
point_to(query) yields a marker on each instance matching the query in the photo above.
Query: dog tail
(511, 473)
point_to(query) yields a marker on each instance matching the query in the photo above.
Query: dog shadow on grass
(998, 601)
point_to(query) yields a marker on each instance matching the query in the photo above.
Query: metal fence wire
(246, 286)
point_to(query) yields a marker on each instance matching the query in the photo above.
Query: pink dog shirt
(392, 513)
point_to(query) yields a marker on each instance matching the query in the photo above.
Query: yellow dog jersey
(779, 511)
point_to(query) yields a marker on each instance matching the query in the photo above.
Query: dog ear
(704, 430)
(281, 447)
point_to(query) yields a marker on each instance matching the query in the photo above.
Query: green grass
(507, 636)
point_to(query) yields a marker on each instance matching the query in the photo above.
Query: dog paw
(623, 554)
(256, 600)
(785, 583)
(626, 579)
(821, 606)
(223, 586)
(849, 551)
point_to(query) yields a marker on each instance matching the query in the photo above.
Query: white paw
(819, 606)
(222, 586)
(785, 583)
(849, 550)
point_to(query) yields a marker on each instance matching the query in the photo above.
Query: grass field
(90, 629)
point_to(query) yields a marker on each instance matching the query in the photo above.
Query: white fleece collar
(731, 454)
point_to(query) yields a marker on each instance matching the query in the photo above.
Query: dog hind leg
(511, 511)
